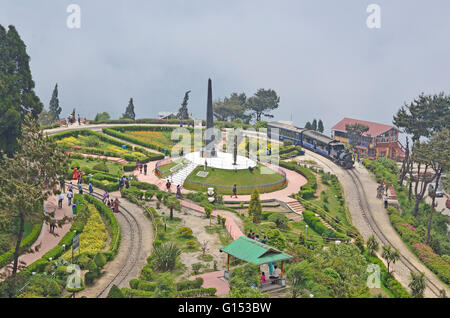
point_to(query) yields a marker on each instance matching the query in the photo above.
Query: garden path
(46, 240)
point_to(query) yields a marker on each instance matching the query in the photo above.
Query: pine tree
(129, 111)
(183, 111)
(320, 127)
(54, 108)
(254, 207)
(314, 125)
(308, 125)
(17, 96)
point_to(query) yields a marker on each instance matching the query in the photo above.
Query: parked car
(439, 192)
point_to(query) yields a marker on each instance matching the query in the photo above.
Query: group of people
(382, 187)
(70, 192)
(255, 237)
(142, 166)
(110, 203)
(71, 119)
(274, 274)
(124, 182)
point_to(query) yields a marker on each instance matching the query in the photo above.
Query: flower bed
(436, 263)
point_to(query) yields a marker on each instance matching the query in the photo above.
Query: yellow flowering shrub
(94, 236)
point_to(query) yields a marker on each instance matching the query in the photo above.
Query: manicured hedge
(136, 293)
(26, 243)
(310, 177)
(316, 224)
(198, 292)
(189, 284)
(143, 285)
(112, 223)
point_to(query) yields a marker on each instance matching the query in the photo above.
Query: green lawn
(165, 170)
(227, 178)
(113, 167)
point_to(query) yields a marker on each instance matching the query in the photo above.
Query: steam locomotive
(312, 140)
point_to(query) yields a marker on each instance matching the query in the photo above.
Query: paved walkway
(231, 226)
(46, 240)
(215, 280)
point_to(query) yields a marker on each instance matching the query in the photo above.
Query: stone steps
(179, 177)
(297, 208)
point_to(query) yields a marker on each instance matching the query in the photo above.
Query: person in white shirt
(69, 197)
(60, 200)
(276, 273)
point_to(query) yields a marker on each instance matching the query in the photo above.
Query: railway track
(366, 212)
(133, 253)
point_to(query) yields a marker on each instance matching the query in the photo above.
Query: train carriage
(312, 140)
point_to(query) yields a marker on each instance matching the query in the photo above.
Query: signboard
(76, 243)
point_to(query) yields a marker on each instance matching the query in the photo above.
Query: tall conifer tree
(54, 108)
(17, 96)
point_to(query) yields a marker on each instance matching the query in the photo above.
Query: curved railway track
(133, 253)
(366, 212)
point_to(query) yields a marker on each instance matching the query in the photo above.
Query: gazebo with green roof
(251, 251)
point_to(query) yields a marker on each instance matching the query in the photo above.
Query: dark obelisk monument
(209, 134)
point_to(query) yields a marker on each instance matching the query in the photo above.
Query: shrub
(100, 260)
(189, 284)
(185, 231)
(101, 167)
(147, 273)
(89, 278)
(115, 292)
(280, 220)
(165, 256)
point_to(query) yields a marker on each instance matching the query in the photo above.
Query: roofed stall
(254, 252)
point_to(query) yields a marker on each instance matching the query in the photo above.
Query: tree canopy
(355, 132)
(17, 96)
(263, 102)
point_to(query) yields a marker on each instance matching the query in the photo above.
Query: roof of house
(375, 129)
(254, 252)
(166, 113)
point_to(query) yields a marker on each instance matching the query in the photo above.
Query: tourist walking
(69, 197)
(91, 188)
(60, 200)
(116, 205)
(70, 186)
(234, 191)
(168, 185)
(140, 168)
(145, 169)
(52, 224)
(179, 196)
(62, 185)
(80, 188)
(127, 183)
(105, 197)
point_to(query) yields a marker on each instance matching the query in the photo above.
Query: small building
(167, 115)
(379, 141)
(254, 252)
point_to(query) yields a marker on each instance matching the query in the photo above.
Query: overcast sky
(319, 56)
